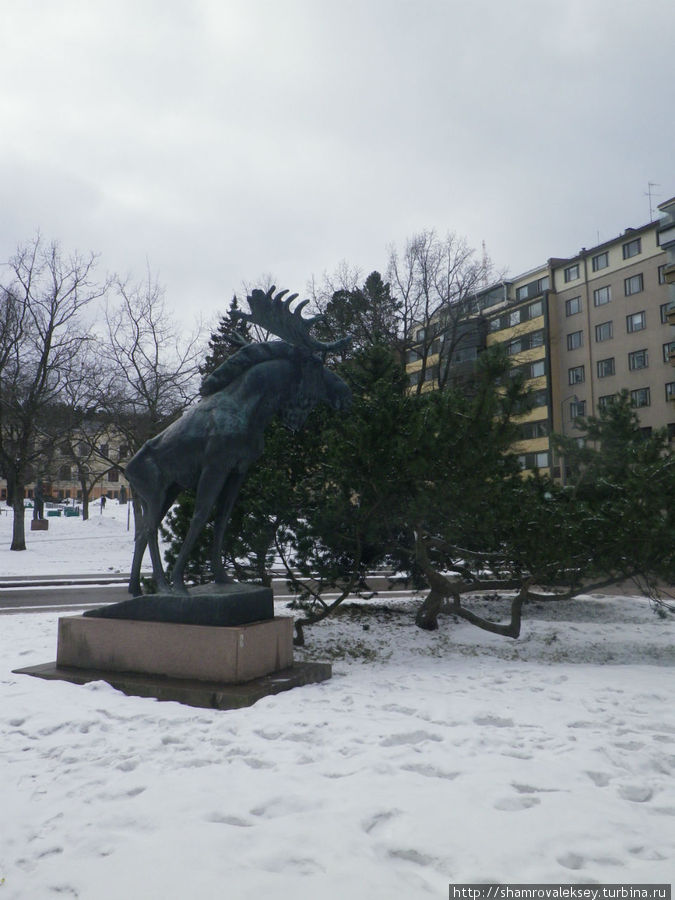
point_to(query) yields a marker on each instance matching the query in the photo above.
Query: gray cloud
(221, 140)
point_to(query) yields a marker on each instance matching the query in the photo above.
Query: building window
(662, 274)
(533, 289)
(577, 409)
(605, 367)
(668, 348)
(602, 295)
(412, 356)
(414, 378)
(636, 322)
(638, 359)
(103, 450)
(606, 400)
(114, 475)
(535, 309)
(419, 336)
(538, 398)
(663, 310)
(670, 390)
(603, 331)
(640, 397)
(537, 369)
(514, 317)
(575, 340)
(632, 248)
(531, 430)
(572, 272)
(633, 285)
(576, 375)
(534, 460)
(464, 354)
(525, 342)
(572, 306)
(601, 261)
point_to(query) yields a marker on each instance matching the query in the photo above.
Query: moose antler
(274, 314)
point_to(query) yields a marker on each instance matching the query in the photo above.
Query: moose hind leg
(224, 505)
(161, 580)
(210, 483)
(140, 543)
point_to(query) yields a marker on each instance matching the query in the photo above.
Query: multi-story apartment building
(585, 328)
(520, 320)
(666, 238)
(445, 348)
(610, 331)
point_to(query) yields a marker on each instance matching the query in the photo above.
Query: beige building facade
(585, 328)
(610, 331)
(520, 322)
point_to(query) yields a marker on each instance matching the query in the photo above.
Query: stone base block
(202, 694)
(39, 525)
(209, 604)
(197, 652)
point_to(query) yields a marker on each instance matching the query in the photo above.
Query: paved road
(67, 597)
(79, 592)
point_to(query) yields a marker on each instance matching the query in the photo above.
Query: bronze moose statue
(211, 447)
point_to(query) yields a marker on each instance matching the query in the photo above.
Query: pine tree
(227, 339)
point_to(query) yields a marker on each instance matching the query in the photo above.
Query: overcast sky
(219, 140)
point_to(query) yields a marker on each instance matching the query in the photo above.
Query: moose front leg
(226, 501)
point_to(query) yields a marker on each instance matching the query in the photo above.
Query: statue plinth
(229, 655)
(218, 605)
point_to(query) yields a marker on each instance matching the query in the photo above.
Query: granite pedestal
(230, 655)
(219, 647)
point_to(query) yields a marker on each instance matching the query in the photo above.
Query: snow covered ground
(456, 756)
(70, 546)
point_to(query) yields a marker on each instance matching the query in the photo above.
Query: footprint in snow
(515, 804)
(647, 853)
(411, 737)
(599, 779)
(220, 819)
(378, 819)
(254, 763)
(571, 860)
(429, 771)
(528, 789)
(636, 793)
(494, 721)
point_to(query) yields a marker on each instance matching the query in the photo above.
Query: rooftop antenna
(485, 264)
(648, 193)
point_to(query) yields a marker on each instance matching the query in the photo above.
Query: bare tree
(436, 281)
(86, 435)
(42, 333)
(151, 368)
